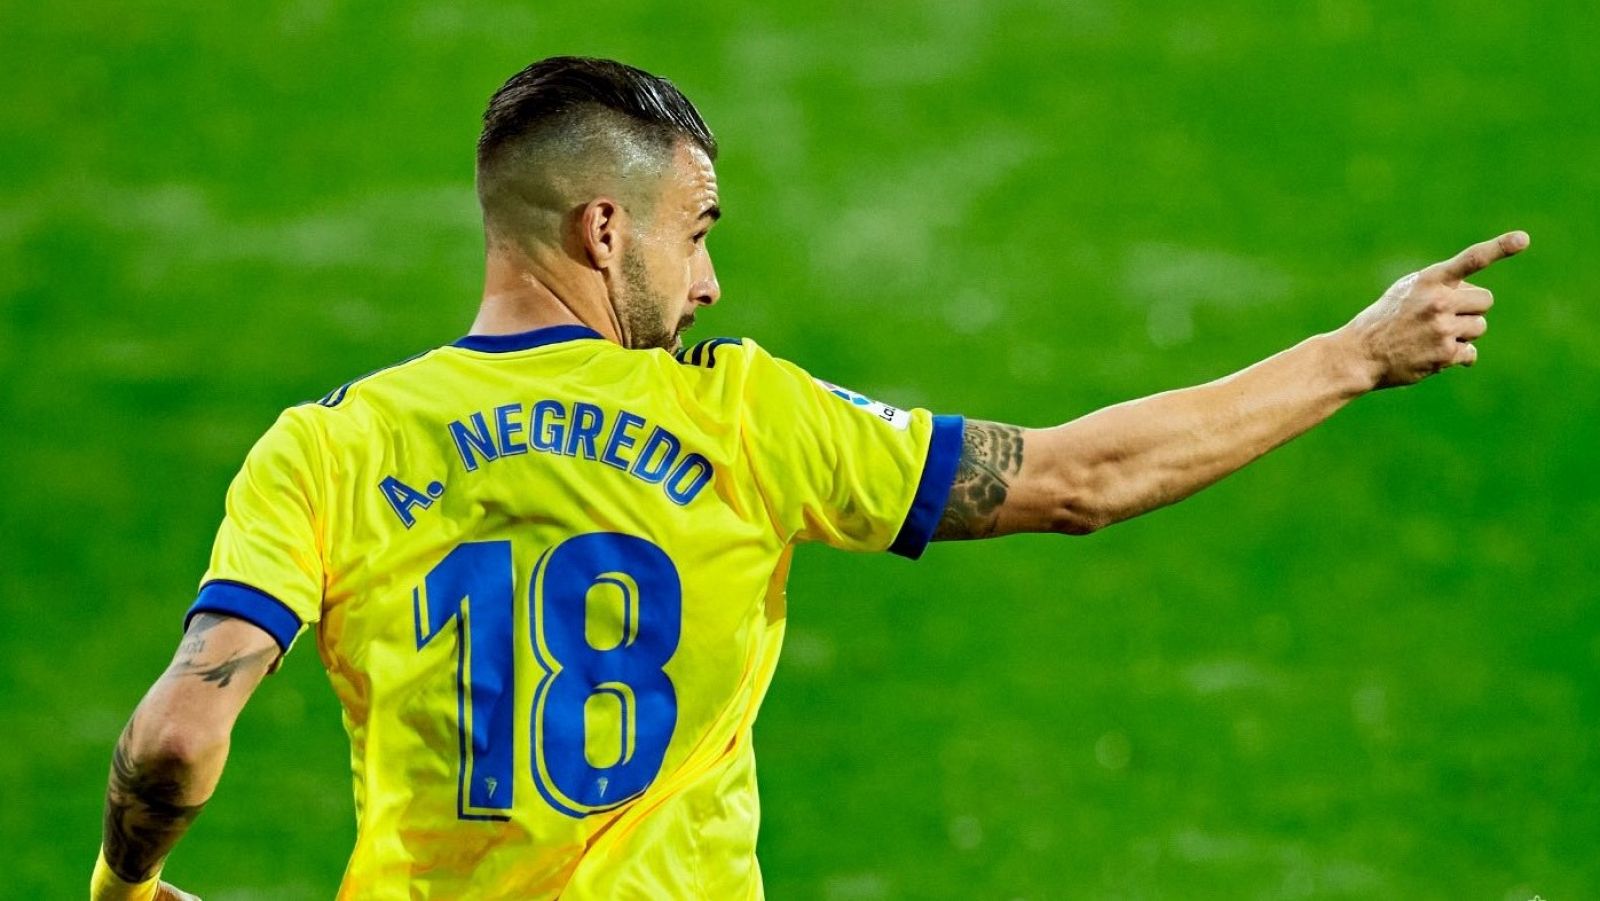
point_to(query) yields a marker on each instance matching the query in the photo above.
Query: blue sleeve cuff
(249, 604)
(933, 489)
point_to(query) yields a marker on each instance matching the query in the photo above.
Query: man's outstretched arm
(170, 756)
(1131, 458)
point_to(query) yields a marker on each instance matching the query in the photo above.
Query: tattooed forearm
(168, 759)
(144, 810)
(991, 456)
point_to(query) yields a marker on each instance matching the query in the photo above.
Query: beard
(640, 309)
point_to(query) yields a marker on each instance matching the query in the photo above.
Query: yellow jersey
(546, 577)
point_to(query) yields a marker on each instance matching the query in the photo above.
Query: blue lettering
(553, 427)
(620, 439)
(402, 498)
(548, 438)
(659, 438)
(587, 420)
(510, 444)
(475, 440)
(696, 471)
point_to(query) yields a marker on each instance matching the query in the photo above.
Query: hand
(105, 890)
(1428, 320)
(106, 885)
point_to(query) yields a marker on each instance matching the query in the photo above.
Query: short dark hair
(564, 87)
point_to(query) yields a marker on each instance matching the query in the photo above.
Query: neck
(522, 292)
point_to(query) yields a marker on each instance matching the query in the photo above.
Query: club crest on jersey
(894, 416)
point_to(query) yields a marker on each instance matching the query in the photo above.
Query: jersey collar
(539, 337)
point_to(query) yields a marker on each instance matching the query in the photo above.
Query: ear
(601, 226)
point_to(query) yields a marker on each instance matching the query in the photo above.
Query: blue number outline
(543, 774)
(481, 574)
(467, 659)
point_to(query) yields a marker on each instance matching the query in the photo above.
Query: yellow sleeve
(266, 564)
(837, 467)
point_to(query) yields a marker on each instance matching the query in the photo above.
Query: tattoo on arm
(991, 457)
(222, 673)
(144, 816)
(194, 638)
(191, 659)
(145, 810)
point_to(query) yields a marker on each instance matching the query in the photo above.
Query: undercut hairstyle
(568, 128)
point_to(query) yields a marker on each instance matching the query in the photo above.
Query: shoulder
(337, 397)
(704, 353)
(347, 415)
(290, 454)
(738, 359)
(714, 366)
(307, 429)
(740, 370)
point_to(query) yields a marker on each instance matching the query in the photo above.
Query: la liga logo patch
(894, 416)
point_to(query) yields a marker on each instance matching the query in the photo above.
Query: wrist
(106, 885)
(1353, 369)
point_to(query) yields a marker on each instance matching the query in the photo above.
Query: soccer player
(544, 565)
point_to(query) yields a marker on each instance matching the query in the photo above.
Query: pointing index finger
(1479, 257)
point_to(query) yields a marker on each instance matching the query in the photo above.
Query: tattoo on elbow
(991, 457)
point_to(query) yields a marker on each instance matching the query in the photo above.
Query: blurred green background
(1366, 667)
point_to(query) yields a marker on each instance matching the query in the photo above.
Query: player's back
(547, 576)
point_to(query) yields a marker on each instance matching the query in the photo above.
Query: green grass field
(1364, 668)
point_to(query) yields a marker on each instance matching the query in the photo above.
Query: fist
(1427, 321)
